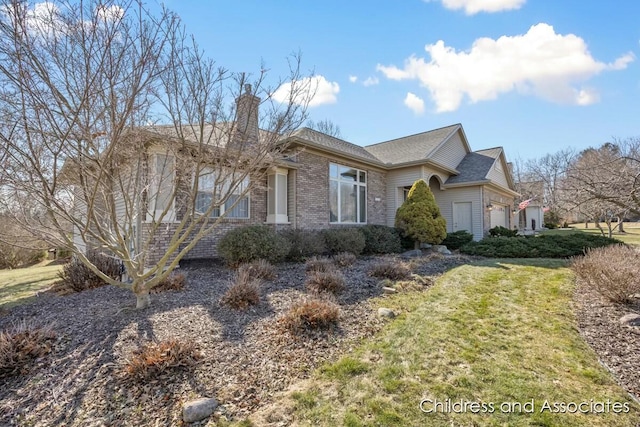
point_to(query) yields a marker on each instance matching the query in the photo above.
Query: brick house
(328, 182)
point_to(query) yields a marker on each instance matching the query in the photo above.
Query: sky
(533, 76)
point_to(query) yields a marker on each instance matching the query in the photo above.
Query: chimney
(247, 118)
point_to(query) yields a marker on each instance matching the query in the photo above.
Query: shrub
(320, 264)
(380, 239)
(565, 224)
(259, 269)
(20, 345)
(325, 281)
(550, 225)
(457, 239)
(252, 242)
(243, 292)
(78, 277)
(344, 259)
(310, 314)
(501, 231)
(613, 271)
(543, 246)
(344, 240)
(392, 270)
(419, 216)
(173, 282)
(303, 244)
(153, 358)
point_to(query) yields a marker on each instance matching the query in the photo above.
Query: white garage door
(498, 216)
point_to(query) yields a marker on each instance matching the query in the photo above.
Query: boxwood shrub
(543, 246)
(304, 244)
(380, 239)
(348, 239)
(252, 242)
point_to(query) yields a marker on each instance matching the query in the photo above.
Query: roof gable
(411, 148)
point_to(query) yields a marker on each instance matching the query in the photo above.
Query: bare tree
(119, 134)
(604, 182)
(325, 126)
(550, 170)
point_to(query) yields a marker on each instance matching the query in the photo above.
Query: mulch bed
(246, 357)
(617, 346)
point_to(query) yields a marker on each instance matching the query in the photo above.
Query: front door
(462, 216)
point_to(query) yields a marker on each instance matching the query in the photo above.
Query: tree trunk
(620, 226)
(143, 300)
(416, 245)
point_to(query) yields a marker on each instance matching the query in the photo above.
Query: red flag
(546, 209)
(524, 204)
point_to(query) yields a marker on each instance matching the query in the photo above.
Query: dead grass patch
(259, 269)
(344, 259)
(154, 358)
(392, 270)
(22, 344)
(320, 264)
(310, 314)
(244, 291)
(325, 281)
(173, 282)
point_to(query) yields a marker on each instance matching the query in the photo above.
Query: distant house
(328, 182)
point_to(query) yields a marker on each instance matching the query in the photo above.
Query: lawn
(21, 284)
(497, 336)
(631, 235)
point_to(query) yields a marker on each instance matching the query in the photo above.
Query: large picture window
(347, 194)
(211, 189)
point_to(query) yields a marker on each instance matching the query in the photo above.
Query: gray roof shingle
(473, 167)
(335, 144)
(410, 148)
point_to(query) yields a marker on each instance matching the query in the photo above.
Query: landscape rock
(630, 319)
(412, 254)
(386, 312)
(198, 409)
(441, 249)
(388, 290)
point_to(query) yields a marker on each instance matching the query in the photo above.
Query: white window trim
(360, 185)
(278, 217)
(222, 208)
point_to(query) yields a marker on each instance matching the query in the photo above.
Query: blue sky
(533, 76)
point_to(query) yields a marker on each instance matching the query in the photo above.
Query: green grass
(499, 332)
(631, 236)
(18, 286)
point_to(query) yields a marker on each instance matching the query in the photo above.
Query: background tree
(419, 216)
(325, 126)
(93, 95)
(603, 183)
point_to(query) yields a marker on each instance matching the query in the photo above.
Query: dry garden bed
(91, 372)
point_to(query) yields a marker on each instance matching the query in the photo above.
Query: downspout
(482, 209)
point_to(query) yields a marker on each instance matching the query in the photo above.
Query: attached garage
(499, 216)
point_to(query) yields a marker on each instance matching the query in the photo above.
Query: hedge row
(253, 242)
(542, 246)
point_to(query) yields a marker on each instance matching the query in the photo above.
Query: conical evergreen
(419, 216)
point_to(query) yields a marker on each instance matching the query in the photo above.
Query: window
(211, 189)
(347, 194)
(277, 196)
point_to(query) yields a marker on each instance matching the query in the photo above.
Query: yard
(631, 235)
(498, 333)
(20, 285)
(489, 332)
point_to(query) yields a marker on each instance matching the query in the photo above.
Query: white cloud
(414, 103)
(471, 7)
(541, 63)
(371, 81)
(110, 13)
(353, 79)
(315, 90)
